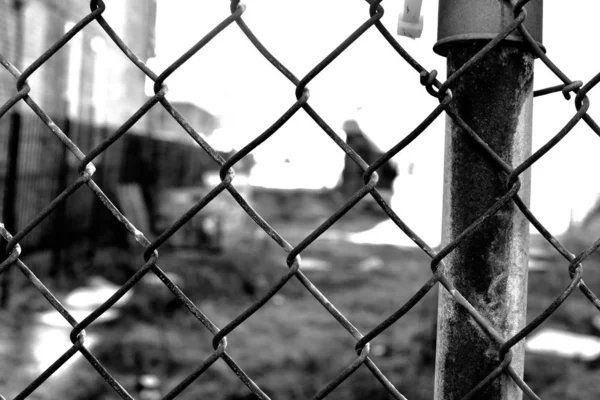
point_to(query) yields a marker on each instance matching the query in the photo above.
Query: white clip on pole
(410, 21)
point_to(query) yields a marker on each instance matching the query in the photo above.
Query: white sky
(232, 80)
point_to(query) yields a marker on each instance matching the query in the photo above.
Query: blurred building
(89, 87)
(89, 80)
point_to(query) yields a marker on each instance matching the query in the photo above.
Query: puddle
(44, 337)
(48, 342)
(315, 264)
(564, 344)
(94, 294)
(29, 351)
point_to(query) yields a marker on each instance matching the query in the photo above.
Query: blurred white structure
(372, 75)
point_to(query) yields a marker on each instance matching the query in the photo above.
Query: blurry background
(230, 94)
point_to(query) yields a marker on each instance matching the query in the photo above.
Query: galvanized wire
(441, 90)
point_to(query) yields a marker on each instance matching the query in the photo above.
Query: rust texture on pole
(489, 268)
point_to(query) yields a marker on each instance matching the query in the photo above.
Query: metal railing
(440, 90)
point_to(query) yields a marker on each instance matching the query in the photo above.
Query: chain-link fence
(501, 346)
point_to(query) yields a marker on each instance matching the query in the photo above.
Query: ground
(292, 347)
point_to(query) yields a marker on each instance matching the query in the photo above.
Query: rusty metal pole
(495, 98)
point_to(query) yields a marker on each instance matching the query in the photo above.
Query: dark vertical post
(59, 221)
(11, 178)
(91, 229)
(489, 268)
(9, 211)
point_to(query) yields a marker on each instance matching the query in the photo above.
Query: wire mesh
(440, 90)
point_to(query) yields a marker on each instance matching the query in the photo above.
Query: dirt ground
(292, 346)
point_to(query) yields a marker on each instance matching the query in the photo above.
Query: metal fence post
(489, 268)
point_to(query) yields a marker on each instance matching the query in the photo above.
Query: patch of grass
(292, 347)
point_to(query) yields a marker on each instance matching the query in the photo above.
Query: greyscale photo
(284, 199)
